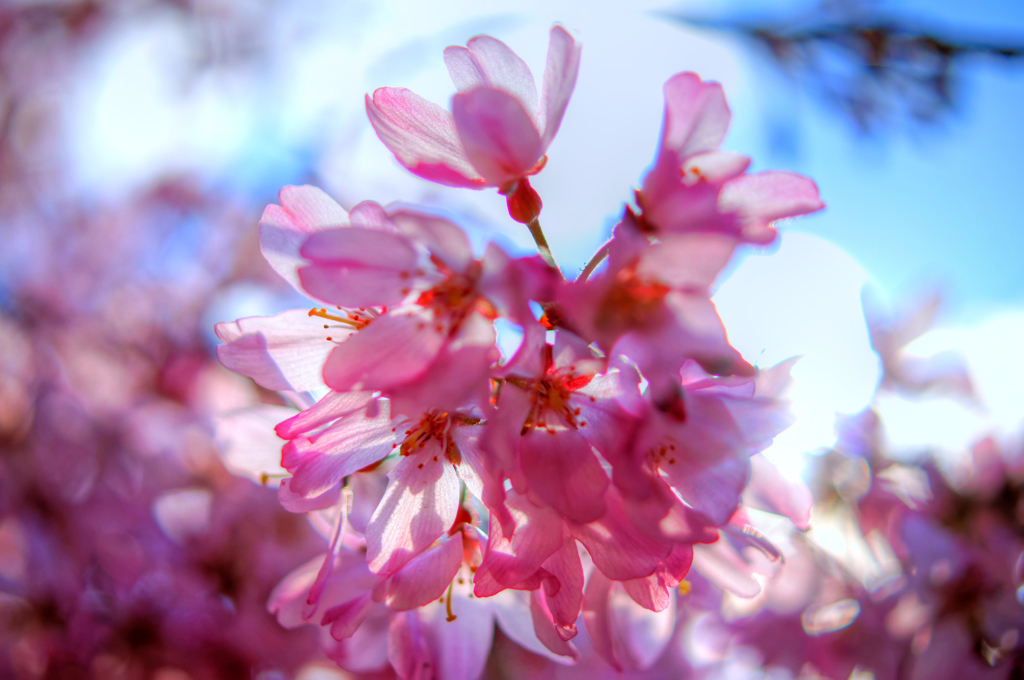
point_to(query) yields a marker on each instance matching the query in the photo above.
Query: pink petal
(713, 166)
(649, 592)
(562, 470)
(545, 629)
(458, 375)
(367, 650)
(597, 618)
(422, 136)
(490, 63)
(346, 617)
(351, 443)
(538, 534)
(357, 267)
(247, 445)
(447, 241)
(618, 549)
(419, 505)
(330, 407)
(294, 502)
(766, 196)
(427, 576)
(687, 261)
(462, 645)
(642, 634)
(720, 564)
(714, 491)
(288, 598)
(560, 71)
(371, 215)
(564, 564)
(769, 490)
(409, 649)
(512, 610)
(497, 134)
(696, 115)
(283, 352)
(393, 349)
(284, 228)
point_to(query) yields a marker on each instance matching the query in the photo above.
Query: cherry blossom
(498, 130)
(695, 187)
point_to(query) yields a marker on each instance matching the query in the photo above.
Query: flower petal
(445, 240)
(766, 196)
(393, 349)
(409, 649)
(462, 644)
(512, 611)
(564, 564)
(562, 470)
(283, 352)
(618, 549)
(333, 405)
(422, 136)
(490, 63)
(538, 534)
(497, 134)
(284, 228)
(351, 443)
(563, 63)
(420, 504)
(425, 577)
(357, 267)
(696, 115)
(247, 445)
(769, 490)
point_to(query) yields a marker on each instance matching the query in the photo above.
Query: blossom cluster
(575, 479)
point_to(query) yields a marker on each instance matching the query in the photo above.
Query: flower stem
(599, 256)
(542, 243)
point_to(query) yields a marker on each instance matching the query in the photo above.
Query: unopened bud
(524, 203)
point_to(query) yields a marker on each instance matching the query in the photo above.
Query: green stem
(542, 243)
(599, 256)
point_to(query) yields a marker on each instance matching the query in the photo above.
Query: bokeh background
(140, 140)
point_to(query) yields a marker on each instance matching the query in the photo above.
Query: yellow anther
(324, 314)
(685, 587)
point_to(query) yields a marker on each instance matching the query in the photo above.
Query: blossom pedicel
(577, 481)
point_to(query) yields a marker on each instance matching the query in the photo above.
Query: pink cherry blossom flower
(653, 304)
(434, 345)
(556, 402)
(695, 187)
(703, 446)
(498, 130)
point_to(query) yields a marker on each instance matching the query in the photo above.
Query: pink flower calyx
(550, 394)
(435, 425)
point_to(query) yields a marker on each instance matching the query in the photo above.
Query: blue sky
(929, 207)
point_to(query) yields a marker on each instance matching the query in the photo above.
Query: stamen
(448, 603)
(324, 314)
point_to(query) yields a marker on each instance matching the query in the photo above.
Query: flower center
(456, 295)
(437, 426)
(551, 394)
(631, 302)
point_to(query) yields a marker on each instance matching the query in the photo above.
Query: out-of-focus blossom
(695, 187)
